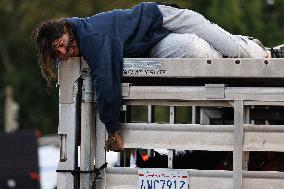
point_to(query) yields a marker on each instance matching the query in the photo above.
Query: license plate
(162, 179)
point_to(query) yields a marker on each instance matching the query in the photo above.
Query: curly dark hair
(44, 35)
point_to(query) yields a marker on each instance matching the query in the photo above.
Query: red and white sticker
(162, 179)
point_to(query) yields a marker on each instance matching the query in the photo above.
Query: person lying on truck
(146, 30)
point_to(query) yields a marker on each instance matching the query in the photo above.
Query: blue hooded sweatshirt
(104, 39)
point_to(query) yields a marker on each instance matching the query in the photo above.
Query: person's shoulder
(75, 21)
(147, 5)
(148, 8)
(96, 24)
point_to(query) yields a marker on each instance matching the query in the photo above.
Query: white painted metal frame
(238, 138)
(86, 145)
(68, 124)
(126, 178)
(204, 68)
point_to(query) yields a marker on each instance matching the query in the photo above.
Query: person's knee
(183, 46)
(199, 48)
(186, 46)
(194, 46)
(173, 46)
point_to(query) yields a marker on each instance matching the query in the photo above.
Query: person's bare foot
(114, 142)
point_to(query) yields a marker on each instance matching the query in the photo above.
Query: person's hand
(114, 142)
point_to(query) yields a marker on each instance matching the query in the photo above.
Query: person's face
(60, 47)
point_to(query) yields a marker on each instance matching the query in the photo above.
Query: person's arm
(104, 56)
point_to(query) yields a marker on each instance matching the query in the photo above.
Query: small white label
(142, 64)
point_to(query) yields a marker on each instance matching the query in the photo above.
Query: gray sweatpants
(193, 36)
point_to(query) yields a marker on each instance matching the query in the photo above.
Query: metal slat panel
(238, 144)
(184, 93)
(121, 178)
(255, 93)
(100, 153)
(264, 138)
(201, 137)
(200, 179)
(68, 123)
(260, 103)
(67, 129)
(169, 92)
(178, 136)
(197, 179)
(179, 103)
(263, 179)
(68, 73)
(199, 67)
(86, 155)
(268, 141)
(203, 68)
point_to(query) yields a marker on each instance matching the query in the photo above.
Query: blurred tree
(261, 19)
(272, 17)
(18, 61)
(227, 14)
